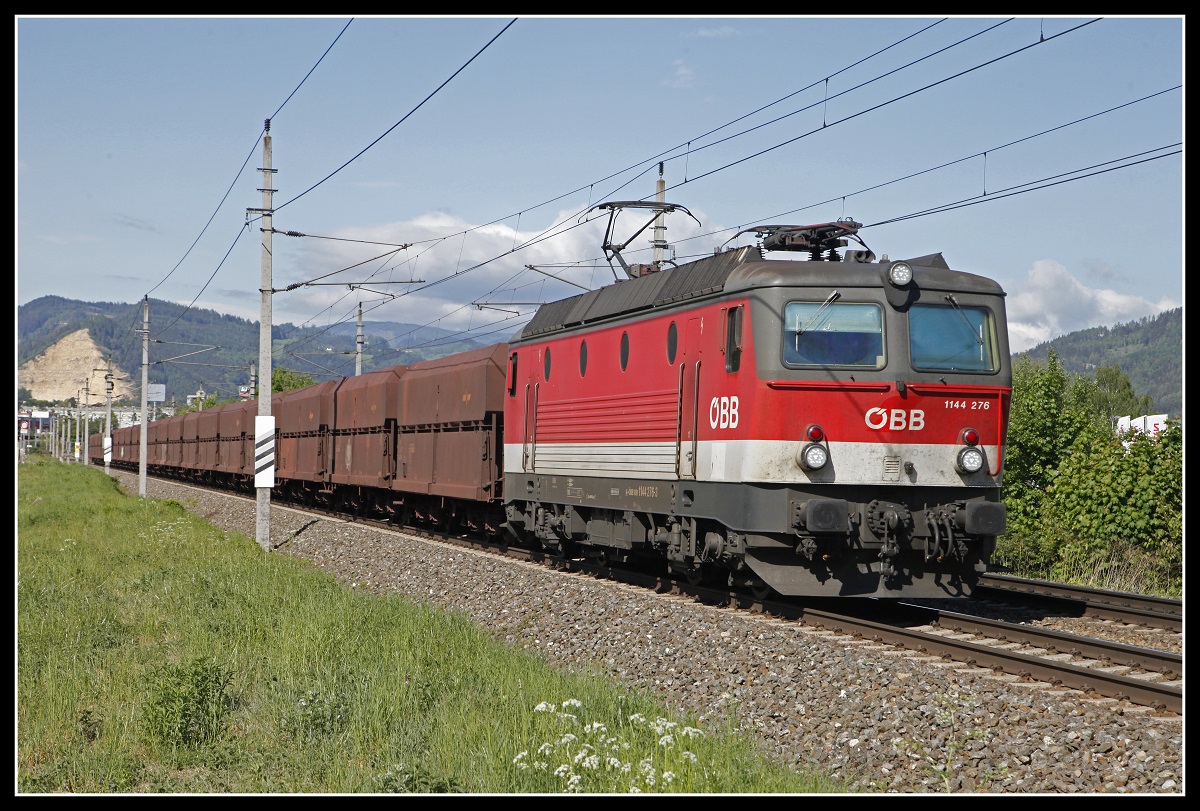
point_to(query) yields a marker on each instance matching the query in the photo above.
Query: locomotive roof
(739, 269)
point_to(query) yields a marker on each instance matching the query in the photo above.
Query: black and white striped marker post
(264, 452)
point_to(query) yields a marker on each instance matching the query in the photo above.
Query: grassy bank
(156, 653)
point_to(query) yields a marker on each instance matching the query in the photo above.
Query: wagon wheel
(694, 574)
(760, 590)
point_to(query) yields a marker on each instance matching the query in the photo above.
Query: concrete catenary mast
(264, 423)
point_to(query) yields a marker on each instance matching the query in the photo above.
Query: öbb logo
(896, 419)
(723, 412)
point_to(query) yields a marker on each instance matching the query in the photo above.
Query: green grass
(156, 653)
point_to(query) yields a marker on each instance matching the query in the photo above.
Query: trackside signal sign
(264, 451)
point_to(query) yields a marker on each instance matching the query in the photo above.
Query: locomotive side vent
(891, 468)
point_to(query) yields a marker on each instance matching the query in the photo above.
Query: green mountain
(193, 348)
(1148, 351)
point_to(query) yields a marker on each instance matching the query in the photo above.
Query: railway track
(1099, 668)
(1096, 667)
(1139, 609)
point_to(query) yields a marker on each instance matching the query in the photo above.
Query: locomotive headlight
(900, 273)
(813, 456)
(970, 460)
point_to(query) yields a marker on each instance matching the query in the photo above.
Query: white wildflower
(661, 725)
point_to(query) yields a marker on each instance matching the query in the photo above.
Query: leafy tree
(1113, 511)
(1046, 417)
(286, 380)
(1080, 506)
(1114, 395)
(209, 402)
(281, 380)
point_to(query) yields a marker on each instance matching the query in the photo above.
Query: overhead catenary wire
(364, 150)
(552, 229)
(518, 214)
(242, 169)
(547, 234)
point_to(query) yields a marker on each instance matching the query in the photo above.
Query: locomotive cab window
(733, 339)
(952, 338)
(832, 333)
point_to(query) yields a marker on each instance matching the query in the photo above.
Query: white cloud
(683, 76)
(1052, 302)
(723, 31)
(458, 266)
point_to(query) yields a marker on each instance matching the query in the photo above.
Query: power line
(238, 175)
(552, 232)
(402, 120)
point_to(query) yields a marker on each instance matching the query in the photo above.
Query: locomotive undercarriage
(771, 537)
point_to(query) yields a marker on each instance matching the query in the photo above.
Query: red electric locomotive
(824, 426)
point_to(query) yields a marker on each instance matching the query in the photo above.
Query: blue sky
(1048, 149)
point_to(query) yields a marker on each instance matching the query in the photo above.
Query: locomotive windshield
(952, 338)
(832, 333)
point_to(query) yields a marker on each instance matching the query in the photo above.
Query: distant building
(32, 423)
(1147, 424)
(1151, 424)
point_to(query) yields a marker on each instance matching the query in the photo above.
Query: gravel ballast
(879, 719)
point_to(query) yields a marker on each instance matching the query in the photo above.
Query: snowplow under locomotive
(826, 426)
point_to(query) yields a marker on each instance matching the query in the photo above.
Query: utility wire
(959, 74)
(402, 120)
(237, 176)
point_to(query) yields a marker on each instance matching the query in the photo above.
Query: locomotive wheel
(694, 575)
